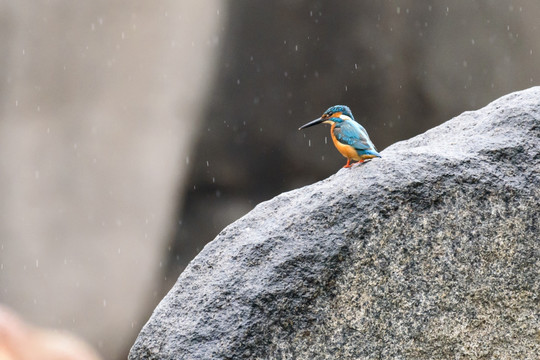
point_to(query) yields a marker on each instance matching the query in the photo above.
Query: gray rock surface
(430, 252)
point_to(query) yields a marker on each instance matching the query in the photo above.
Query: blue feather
(351, 133)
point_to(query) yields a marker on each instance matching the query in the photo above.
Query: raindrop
(326, 139)
(207, 163)
(296, 47)
(37, 263)
(309, 142)
(187, 160)
(398, 10)
(237, 81)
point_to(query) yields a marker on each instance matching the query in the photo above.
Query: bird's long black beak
(311, 123)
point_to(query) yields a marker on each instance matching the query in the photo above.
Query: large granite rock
(430, 252)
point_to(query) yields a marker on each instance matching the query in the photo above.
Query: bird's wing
(353, 134)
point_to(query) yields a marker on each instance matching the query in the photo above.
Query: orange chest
(346, 150)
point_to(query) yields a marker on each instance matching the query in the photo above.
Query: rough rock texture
(430, 252)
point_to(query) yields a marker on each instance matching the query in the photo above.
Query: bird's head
(334, 114)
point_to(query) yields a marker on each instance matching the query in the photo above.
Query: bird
(349, 137)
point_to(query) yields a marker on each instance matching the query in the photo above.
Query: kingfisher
(349, 137)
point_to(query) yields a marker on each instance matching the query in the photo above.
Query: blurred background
(132, 132)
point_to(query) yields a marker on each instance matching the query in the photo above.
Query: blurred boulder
(99, 105)
(429, 252)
